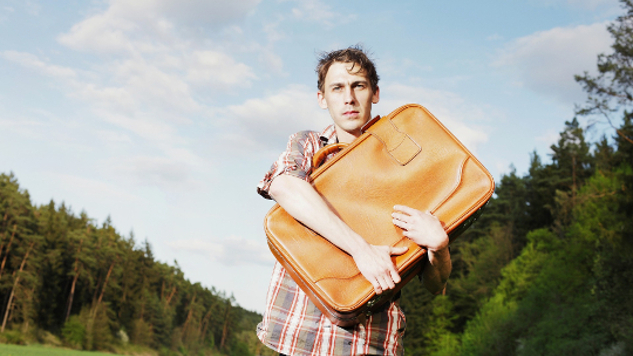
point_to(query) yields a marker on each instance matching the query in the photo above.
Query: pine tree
(611, 91)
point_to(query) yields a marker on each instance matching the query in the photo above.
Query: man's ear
(321, 99)
(376, 98)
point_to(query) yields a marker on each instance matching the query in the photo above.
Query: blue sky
(165, 114)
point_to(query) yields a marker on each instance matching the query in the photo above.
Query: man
(292, 325)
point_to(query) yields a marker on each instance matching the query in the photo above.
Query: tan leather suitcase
(407, 157)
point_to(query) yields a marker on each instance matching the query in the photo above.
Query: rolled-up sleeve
(296, 160)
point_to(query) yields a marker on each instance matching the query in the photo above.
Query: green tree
(611, 91)
(18, 252)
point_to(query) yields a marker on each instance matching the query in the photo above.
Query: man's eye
(336, 89)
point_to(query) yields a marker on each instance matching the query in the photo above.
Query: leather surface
(407, 158)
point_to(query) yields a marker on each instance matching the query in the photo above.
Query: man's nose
(349, 95)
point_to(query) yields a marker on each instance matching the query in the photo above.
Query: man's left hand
(423, 228)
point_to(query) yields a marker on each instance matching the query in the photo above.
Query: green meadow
(38, 350)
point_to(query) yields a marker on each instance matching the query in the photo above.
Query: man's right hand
(375, 264)
(302, 202)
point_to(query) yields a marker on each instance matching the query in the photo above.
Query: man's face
(348, 97)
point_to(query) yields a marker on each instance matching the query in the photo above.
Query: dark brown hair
(353, 54)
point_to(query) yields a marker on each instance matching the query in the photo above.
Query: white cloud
(93, 190)
(26, 127)
(272, 62)
(28, 60)
(101, 33)
(42, 127)
(154, 76)
(190, 12)
(153, 79)
(152, 86)
(584, 4)
(170, 168)
(494, 37)
(503, 167)
(152, 170)
(147, 25)
(211, 67)
(549, 137)
(590, 4)
(114, 137)
(317, 11)
(262, 122)
(230, 251)
(403, 67)
(33, 8)
(547, 61)
(273, 33)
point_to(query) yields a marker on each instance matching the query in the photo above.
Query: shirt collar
(328, 136)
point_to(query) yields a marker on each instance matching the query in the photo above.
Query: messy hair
(353, 54)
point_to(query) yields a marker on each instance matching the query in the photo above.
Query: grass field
(16, 350)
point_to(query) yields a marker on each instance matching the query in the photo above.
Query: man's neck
(346, 137)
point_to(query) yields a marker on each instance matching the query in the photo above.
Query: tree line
(66, 280)
(548, 268)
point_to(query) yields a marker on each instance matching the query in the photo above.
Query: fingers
(400, 217)
(405, 209)
(387, 281)
(389, 277)
(383, 284)
(378, 268)
(410, 212)
(408, 218)
(401, 224)
(395, 277)
(380, 284)
(402, 221)
(398, 250)
(377, 289)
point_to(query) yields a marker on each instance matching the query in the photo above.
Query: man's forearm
(303, 203)
(438, 270)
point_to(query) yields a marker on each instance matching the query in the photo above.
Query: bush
(74, 333)
(142, 333)
(46, 338)
(12, 337)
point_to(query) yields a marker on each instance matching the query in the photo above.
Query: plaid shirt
(292, 324)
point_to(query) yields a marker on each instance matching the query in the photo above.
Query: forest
(546, 270)
(64, 281)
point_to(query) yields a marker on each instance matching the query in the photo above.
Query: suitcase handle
(321, 155)
(398, 144)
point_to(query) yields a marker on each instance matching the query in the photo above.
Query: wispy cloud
(584, 4)
(217, 68)
(152, 79)
(31, 61)
(547, 61)
(317, 11)
(152, 25)
(230, 251)
(259, 123)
